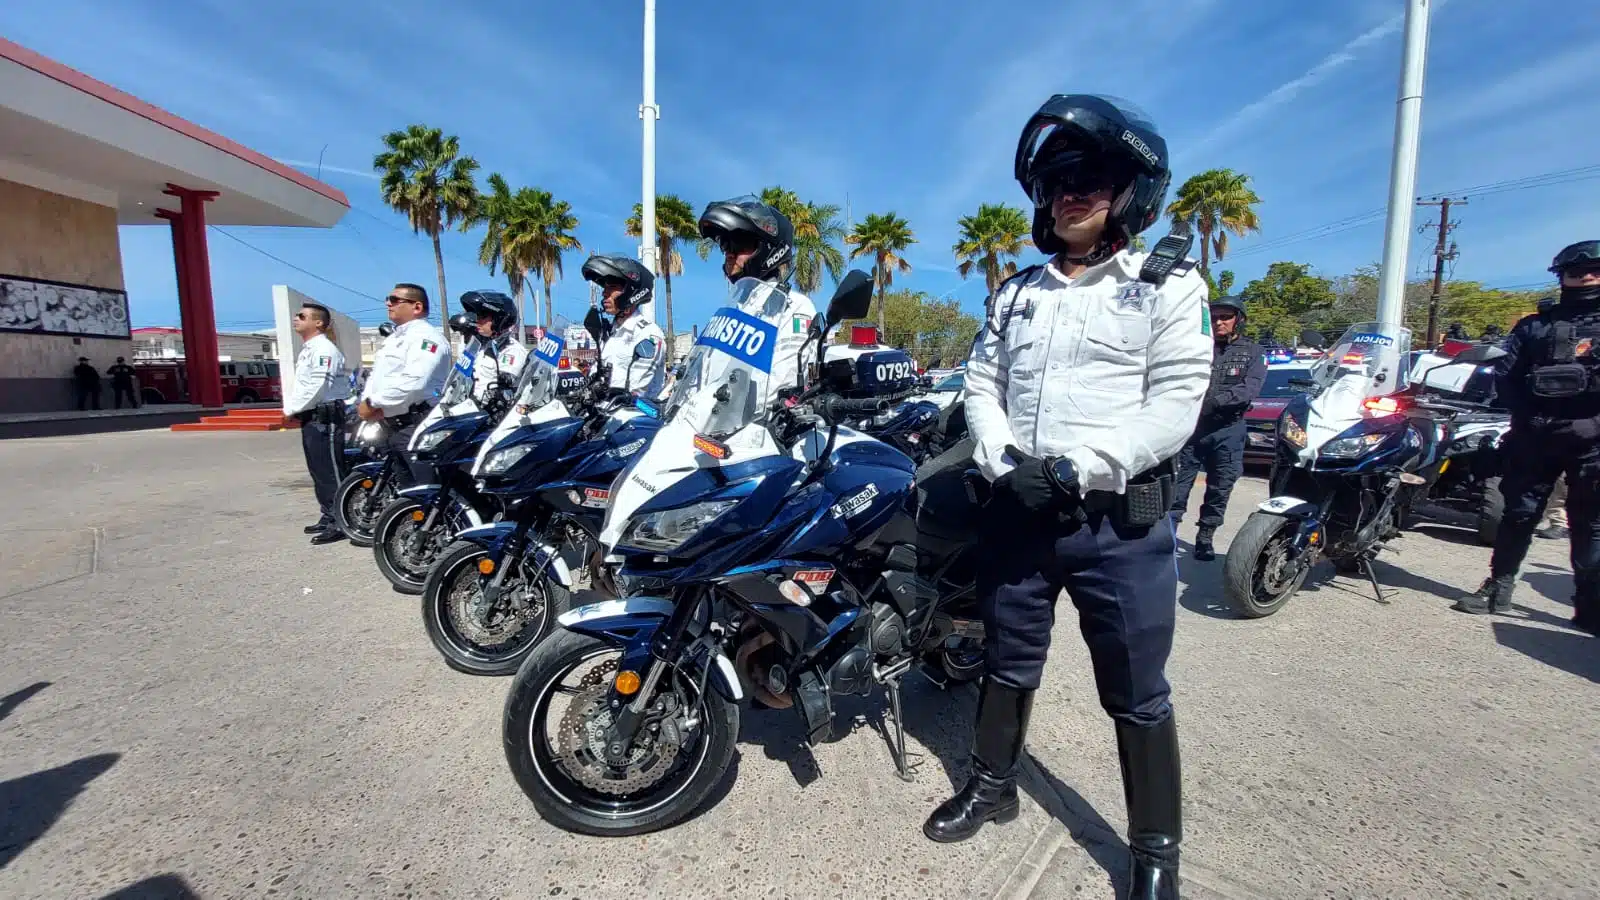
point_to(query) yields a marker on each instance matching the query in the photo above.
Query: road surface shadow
(1569, 651)
(16, 698)
(31, 804)
(156, 887)
(1556, 585)
(1450, 534)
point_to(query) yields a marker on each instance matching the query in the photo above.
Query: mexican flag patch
(801, 323)
(430, 346)
(324, 360)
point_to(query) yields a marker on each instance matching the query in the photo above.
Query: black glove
(1582, 429)
(1037, 486)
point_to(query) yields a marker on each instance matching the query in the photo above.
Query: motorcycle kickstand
(1372, 576)
(903, 765)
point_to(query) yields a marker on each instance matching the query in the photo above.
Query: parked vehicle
(1261, 419)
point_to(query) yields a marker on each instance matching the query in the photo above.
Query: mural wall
(52, 307)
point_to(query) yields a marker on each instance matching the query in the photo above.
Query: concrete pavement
(195, 702)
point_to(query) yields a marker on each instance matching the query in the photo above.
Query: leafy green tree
(990, 242)
(924, 326)
(1214, 203)
(423, 176)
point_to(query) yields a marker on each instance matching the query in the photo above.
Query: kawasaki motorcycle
(495, 591)
(1350, 457)
(772, 555)
(414, 529)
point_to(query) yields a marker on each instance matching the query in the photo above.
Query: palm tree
(675, 221)
(424, 177)
(990, 241)
(1214, 203)
(817, 232)
(496, 211)
(885, 236)
(545, 227)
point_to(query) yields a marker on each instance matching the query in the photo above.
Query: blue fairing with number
(742, 336)
(885, 372)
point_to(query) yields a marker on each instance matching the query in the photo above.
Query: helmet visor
(1076, 173)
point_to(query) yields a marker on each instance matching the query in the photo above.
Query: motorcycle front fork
(665, 646)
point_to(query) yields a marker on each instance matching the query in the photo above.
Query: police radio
(1168, 252)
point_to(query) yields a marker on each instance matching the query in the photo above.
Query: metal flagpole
(649, 112)
(1403, 169)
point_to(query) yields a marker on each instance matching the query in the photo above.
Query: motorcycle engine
(886, 630)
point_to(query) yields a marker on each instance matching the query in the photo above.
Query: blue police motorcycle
(1350, 458)
(494, 592)
(771, 555)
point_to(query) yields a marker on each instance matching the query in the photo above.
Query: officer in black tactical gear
(1083, 385)
(1238, 370)
(1550, 381)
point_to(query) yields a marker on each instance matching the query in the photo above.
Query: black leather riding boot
(990, 794)
(1152, 781)
(1494, 595)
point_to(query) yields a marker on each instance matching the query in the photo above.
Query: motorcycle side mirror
(595, 324)
(852, 299)
(1313, 339)
(464, 324)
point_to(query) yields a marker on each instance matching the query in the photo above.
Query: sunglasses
(392, 300)
(735, 244)
(1081, 178)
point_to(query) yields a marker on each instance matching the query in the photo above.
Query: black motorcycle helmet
(745, 222)
(1086, 142)
(464, 324)
(1230, 302)
(502, 310)
(1581, 253)
(637, 282)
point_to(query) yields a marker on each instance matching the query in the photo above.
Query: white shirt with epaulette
(409, 367)
(645, 374)
(505, 356)
(1104, 369)
(318, 369)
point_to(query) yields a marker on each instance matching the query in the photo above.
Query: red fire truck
(243, 381)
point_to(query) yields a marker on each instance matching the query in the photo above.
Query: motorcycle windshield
(1366, 362)
(725, 378)
(540, 376)
(458, 384)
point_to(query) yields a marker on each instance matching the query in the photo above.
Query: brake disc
(500, 624)
(584, 731)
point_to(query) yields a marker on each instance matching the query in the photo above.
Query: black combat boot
(1586, 609)
(1152, 781)
(990, 794)
(1494, 595)
(1203, 551)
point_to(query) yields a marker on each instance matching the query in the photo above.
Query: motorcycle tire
(567, 804)
(389, 521)
(346, 498)
(1491, 509)
(459, 652)
(1241, 570)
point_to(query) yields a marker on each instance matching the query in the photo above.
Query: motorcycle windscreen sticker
(469, 359)
(1382, 340)
(742, 336)
(549, 349)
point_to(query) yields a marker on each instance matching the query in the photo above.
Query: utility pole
(649, 112)
(1403, 165)
(1441, 255)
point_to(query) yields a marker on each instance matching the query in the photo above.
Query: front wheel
(564, 761)
(1258, 577)
(487, 639)
(1491, 509)
(407, 566)
(357, 504)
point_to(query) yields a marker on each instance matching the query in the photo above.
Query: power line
(1441, 255)
(303, 271)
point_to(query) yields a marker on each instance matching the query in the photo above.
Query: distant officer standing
(318, 378)
(1085, 382)
(635, 350)
(1550, 381)
(122, 383)
(408, 371)
(1238, 370)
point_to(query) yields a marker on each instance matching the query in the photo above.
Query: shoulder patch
(645, 349)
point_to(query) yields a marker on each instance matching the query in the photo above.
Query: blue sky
(891, 105)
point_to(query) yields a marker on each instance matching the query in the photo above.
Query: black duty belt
(411, 416)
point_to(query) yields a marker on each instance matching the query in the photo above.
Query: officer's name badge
(1132, 296)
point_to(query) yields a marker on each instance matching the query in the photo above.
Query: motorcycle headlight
(433, 439)
(668, 529)
(1352, 447)
(502, 460)
(1292, 431)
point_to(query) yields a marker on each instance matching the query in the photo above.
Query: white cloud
(312, 167)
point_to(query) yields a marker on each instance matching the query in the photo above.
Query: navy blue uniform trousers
(1220, 453)
(1124, 584)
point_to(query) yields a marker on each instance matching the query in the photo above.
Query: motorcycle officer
(635, 348)
(757, 242)
(1085, 382)
(409, 369)
(1238, 371)
(501, 355)
(318, 371)
(1550, 381)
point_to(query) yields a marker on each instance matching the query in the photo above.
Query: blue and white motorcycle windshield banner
(742, 336)
(549, 349)
(469, 359)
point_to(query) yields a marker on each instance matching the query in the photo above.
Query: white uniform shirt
(644, 376)
(792, 313)
(1104, 369)
(318, 376)
(410, 367)
(491, 362)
